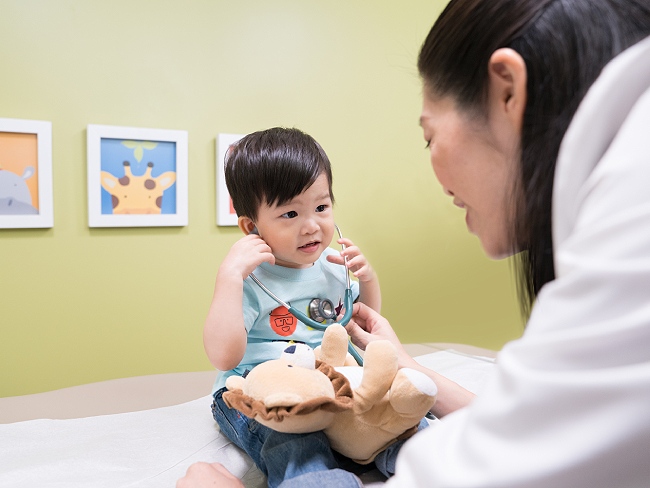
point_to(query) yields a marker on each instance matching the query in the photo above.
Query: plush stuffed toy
(362, 410)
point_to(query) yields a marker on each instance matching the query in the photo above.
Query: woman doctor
(537, 118)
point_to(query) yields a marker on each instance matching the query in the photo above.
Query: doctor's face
(475, 162)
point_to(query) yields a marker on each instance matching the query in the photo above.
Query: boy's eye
(291, 214)
(321, 208)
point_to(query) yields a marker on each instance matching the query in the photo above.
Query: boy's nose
(310, 226)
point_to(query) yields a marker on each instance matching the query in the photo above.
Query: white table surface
(145, 392)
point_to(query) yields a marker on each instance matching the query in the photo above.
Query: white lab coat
(569, 402)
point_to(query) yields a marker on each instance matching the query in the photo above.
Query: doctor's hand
(367, 325)
(245, 255)
(204, 475)
(357, 262)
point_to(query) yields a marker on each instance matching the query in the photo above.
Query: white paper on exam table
(153, 448)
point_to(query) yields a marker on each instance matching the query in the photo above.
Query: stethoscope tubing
(309, 321)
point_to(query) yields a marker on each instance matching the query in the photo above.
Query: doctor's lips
(459, 204)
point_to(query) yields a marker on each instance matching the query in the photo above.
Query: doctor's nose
(448, 192)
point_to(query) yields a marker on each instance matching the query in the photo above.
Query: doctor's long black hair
(565, 44)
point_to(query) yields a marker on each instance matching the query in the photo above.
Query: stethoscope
(321, 308)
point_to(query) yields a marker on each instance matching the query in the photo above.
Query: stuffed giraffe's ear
(245, 224)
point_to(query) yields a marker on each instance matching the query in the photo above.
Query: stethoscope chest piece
(322, 309)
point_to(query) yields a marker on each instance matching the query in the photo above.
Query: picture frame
(226, 215)
(137, 177)
(26, 174)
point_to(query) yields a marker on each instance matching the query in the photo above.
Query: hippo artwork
(15, 198)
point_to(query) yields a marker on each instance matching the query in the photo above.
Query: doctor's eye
(428, 145)
(292, 214)
(321, 208)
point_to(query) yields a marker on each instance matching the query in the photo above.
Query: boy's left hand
(357, 262)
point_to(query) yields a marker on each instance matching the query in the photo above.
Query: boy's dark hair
(272, 167)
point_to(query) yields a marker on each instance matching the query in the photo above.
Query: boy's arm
(224, 332)
(369, 290)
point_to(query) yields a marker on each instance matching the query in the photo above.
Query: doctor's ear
(246, 225)
(508, 91)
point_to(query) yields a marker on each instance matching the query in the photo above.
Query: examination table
(145, 431)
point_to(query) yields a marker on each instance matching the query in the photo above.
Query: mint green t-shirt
(269, 325)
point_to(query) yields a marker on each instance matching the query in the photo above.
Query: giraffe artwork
(132, 194)
(138, 177)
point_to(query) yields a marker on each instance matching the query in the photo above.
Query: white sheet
(152, 448)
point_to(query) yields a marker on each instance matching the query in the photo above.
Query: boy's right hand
(245, 255)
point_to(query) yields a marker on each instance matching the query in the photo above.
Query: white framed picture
(137, 177)
(26, 174)
(226, 215)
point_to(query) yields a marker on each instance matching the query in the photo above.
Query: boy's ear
(245, 224)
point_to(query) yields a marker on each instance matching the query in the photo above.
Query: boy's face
(300, 230)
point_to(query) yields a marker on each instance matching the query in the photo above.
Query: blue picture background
(114, 152)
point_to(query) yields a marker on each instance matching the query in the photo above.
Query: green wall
(79, 305)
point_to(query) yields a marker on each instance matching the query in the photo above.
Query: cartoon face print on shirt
(282, 322)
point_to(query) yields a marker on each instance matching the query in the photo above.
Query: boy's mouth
(310, 246)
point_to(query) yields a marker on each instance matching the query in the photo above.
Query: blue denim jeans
(295, 460)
